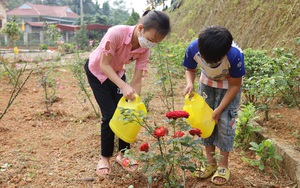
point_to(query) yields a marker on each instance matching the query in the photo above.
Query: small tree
(14, 75)
(80, 76)
(52, 33)
(133, 19)
(12, 30)
(81, 39)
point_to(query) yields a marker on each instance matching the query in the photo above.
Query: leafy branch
(16, 89)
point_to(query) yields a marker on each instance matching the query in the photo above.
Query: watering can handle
(136, 99)
(188, 96)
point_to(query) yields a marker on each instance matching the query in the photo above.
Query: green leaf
(268, 142)
(298, 40)
(254, 145)
(277, 157)
(261, 167)
(246, 160)
(150, 180)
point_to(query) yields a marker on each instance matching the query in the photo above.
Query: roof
(88, 27)
(73, 28)
(29, 9)
(97, 27)
(36, 24)
(68, 27)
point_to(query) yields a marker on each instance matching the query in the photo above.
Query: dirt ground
(61, 149)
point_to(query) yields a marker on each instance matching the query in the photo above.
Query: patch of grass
(254, 24)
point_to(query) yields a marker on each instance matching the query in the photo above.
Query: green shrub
(271, 79)
(81, 39)
(66, 48)
(266, 155)
(287, 77)
(245, 130)
(43, 47)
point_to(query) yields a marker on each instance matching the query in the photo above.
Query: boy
(222, 68)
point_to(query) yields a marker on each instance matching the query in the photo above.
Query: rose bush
(174, 150)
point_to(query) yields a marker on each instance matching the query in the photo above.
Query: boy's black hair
(214, 42)
(154, 19)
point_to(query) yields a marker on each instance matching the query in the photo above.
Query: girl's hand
(128, 92)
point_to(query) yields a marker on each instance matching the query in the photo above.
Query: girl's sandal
(131, 167)
(103, 168)
(207, 171)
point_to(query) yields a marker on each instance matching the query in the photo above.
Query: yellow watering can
(126, 130)
(200, 114)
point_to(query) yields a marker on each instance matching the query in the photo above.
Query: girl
(106, 74)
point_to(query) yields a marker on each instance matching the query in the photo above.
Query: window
(69, 10)
(25, 6)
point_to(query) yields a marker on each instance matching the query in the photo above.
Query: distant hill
(257, 24)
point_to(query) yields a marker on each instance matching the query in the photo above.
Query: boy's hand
(217, 114)
(188, 90)
(190, 75)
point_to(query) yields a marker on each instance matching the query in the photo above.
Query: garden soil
(60, 148)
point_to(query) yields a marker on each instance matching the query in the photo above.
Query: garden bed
(60, 147)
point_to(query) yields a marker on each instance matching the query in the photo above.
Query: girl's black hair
(214, 42)
(145, 13)
(158, 20)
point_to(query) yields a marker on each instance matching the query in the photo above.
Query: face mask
(211, 65)
(144, 43)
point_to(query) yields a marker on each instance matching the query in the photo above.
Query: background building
(33, 19)
(3, 9)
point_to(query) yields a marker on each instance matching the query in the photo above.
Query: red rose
(195, 131)
(178, 134)
(177, 114)
(160, 132)
(144, 147)
(126, 162)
